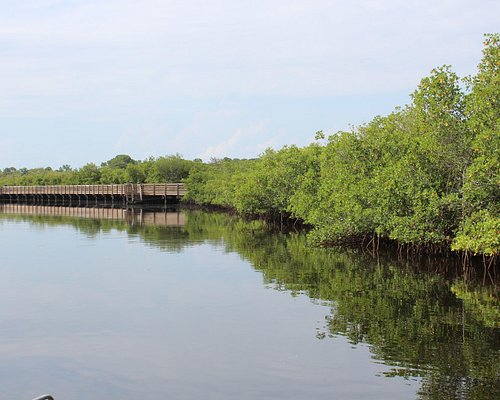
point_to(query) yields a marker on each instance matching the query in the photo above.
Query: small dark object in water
(44, 397)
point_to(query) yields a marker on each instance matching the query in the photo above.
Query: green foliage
(215, 183)
(479, 230)
(135, 173)
(277, 183)
(479, 234)
(398, 176)
(274, 183)
(37, 176)
(170, 169)
(113, 175)
(119, 162)
(120, 169)
(88, 174)
(417, 176)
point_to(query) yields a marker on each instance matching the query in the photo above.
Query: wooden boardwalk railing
(131, 192)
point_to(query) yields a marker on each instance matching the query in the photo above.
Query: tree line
(425, 176)
(120, 169)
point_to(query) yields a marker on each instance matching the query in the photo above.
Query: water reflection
(423, 320)
(132, 216)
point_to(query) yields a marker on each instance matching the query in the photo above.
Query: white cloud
(246, 142)
(237, 145)
(214, 48)
(224, 148)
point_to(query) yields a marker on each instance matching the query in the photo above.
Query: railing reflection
(133, 216)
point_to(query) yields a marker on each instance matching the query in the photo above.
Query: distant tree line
(120, 169)
(425, 176)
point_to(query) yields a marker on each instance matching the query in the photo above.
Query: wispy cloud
(245, 142)
(212, 48)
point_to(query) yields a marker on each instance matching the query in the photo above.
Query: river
(116, 304)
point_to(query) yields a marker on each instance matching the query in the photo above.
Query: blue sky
(82, 81)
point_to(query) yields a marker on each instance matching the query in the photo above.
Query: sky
(84, 80)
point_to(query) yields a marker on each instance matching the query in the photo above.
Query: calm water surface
(103, 304)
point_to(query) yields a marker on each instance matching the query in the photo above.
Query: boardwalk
(129, 193)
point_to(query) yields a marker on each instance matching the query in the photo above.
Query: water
(102, 304)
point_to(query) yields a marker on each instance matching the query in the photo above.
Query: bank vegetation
(425, 176)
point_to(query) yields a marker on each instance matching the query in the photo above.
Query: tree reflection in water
(423, 319)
